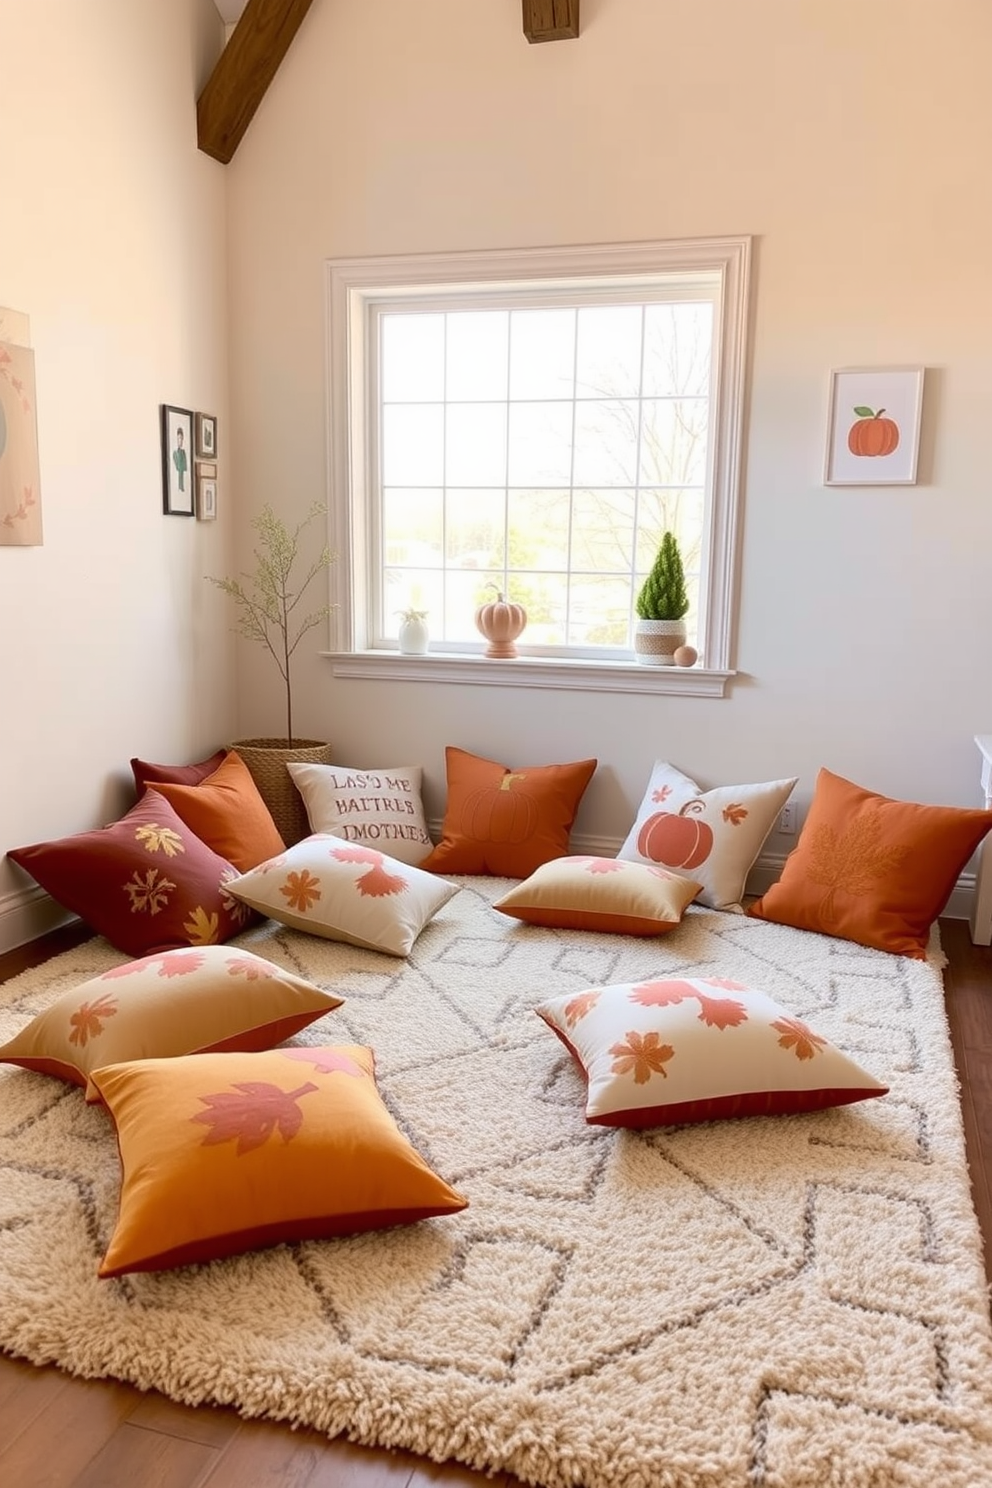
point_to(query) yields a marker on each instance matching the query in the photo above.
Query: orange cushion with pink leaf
(605, 894)
(504, 821)
(178, 1002)
(688, 1049)
(224, 1153)
(345, 892)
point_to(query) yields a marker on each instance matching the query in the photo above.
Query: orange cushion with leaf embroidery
(146, 882)
(179, 1002)
(604, 894)
(687, 1049)
(344, 891)
(506, 822)
(227, 812)
(224, 1153)
(871, 869)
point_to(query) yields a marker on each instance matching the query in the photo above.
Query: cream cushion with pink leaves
(711, 836)
(347, 892)
(187, 1001)
(682, 1050)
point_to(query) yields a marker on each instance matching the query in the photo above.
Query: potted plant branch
(661, 606)
(268, 601)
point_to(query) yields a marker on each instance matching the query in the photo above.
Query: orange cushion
(506, 822)
(227, 812)
(226, 1152)
(180, 1002)
(871, 869)
(605, 894)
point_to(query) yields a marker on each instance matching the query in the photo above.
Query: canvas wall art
(20, 476)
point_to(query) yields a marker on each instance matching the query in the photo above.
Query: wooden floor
(60, 1432)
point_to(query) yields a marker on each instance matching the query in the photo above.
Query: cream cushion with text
(377, 808)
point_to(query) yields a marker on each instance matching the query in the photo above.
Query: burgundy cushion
(146, 882)
(146, 773)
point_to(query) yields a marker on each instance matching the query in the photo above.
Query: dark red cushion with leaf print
(146, 882)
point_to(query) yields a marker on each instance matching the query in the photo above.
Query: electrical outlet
(787, 819)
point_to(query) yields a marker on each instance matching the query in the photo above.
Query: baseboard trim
(27, 914)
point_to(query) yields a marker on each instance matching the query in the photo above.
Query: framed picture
(206, 436)
(206, 490)
(873, 426)
(177, 461)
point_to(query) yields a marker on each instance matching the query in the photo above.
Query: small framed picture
(206, 436)
(873, 426)
(206, 490)
(177, 461)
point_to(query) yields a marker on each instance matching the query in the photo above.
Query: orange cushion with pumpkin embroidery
(227, 1152)
(871, 869)
(506, 822)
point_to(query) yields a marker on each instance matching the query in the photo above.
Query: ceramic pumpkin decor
(501, 622)
(678, 840)
(872, 434)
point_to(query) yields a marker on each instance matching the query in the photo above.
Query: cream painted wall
(113, 241)
(853, 143)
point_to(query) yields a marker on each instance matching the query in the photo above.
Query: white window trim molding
(351, 283)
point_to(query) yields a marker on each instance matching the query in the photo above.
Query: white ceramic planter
(656, 641)
(414, 636)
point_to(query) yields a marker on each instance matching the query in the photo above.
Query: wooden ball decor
(686, 656)
(501, 622)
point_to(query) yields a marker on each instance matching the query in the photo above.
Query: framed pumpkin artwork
(873, 428)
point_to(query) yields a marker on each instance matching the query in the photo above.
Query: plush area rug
(776, 1301)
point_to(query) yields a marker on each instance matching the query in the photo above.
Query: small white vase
(413, 637)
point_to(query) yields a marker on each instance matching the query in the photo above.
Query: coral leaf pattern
(149, 892)
(88, 1019)
(796, 1036)
(661, 794)
(644, 1055)
(155, 839)
(181, 963)
(662, 994)
(735, 813)
(250, 969)
(129, 968)
(202, 928)
(327, 1061)
(377, 882)
(302, 890)
(577, 1007)
(725, 984)
(850, 861)
(250, 1114)
(721, 1012)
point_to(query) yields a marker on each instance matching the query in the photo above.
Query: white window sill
(531, 671)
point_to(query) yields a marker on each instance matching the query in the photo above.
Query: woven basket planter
(656, 641)
(267, 760)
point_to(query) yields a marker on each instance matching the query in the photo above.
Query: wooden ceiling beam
(244, 70)
(551, 20)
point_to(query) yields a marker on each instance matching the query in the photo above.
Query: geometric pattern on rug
(777, 1301)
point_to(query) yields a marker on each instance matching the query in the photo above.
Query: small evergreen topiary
(663, 594)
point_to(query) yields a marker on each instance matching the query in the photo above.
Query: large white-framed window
(531, 422)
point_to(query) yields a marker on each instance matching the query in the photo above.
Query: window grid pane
(564, 443)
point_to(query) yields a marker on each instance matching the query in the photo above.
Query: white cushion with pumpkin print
(711, 836)
(691, 1049)
(345, 892)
